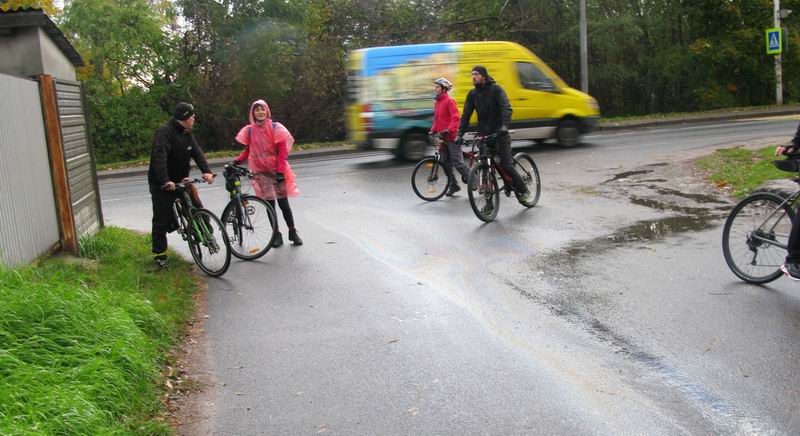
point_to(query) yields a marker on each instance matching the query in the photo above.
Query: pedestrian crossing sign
(774, 41)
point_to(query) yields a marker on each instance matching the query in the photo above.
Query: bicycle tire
(738, 244)
(426, 179)
(253, 243)
(483, 191)
(211, 256)
(530, 176)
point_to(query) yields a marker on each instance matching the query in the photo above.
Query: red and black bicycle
(483, 188)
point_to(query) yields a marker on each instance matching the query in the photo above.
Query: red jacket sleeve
(243, 155)
(283, 157)
(454, 119)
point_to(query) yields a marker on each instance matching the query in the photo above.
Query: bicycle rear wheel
(429, 180)
(483, 192)
(751, 231)
(251, 227)
(530, 176)
(208, 243)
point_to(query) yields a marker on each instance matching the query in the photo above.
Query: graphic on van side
(400, 78)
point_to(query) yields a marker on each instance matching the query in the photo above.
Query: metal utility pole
(778, 71)
(585, 50)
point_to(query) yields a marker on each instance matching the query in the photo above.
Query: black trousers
(163, 218)
(793, 245)
(286, 209)
(503, 144)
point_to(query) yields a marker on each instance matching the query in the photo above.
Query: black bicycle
(429, 179)
(483, 189)
(756, 233)
(251, 222)
(202, 230)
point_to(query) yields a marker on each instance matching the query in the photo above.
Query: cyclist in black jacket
(173, 148)
(792, 265)
(494, 117)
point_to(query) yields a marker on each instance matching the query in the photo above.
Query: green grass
(83, 341)
(742, 170)
(658, 116)
(145, 160)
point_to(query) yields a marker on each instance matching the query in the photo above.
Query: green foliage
(742, 170)
(644, 56)
(82, 341)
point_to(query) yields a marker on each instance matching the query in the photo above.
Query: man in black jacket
(173, 147)
(494, 117)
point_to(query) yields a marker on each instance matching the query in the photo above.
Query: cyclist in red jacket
(445, 122)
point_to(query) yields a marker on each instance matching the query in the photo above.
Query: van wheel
(414, 147)
(568, 133)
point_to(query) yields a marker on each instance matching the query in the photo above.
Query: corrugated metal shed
(28, 223)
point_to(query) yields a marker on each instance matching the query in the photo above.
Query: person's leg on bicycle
(447, 165)
(792, 266)
(507, 163)
(163, 222)
(457, 159)
(194, 194)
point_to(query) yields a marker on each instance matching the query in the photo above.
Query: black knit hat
(183, 111)
(482, 70)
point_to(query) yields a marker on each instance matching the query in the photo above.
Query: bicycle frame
(756, 235)
(183, 207)
(487, 156)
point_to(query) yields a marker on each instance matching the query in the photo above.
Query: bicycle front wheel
(208, 243)
(483, 192)
(252, 227)
(429, 180)
(754, 237)
(530, 177)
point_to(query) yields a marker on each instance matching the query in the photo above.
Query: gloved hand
(280, 178)
(460, 140)
(235, 162)
(502, 131)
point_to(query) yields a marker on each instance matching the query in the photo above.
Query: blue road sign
(774, 41)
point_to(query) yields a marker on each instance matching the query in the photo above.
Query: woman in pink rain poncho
(266, 149)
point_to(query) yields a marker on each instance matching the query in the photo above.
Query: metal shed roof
(37, 17)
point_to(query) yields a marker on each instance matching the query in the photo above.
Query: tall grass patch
(742, 170)
(82, 341)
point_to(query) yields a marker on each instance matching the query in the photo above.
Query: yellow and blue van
(390, 93)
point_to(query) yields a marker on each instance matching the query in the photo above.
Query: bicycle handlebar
(238, 169)
(187, 181)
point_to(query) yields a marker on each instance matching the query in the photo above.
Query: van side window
(533, 78)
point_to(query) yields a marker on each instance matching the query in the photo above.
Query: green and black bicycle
(202, 230)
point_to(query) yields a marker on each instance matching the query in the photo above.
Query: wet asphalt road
(404, 317)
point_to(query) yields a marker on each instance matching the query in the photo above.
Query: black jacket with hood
(173, 148)
(491, 102)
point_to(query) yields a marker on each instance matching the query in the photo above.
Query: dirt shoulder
(189, 400)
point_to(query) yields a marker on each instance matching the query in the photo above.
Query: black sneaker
(294, 237)
(278, 240)
(161, 261)
(792, 270)
(463, 179)
(488, 209)
(453, 189)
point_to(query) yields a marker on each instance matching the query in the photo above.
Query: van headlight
(594, 105)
